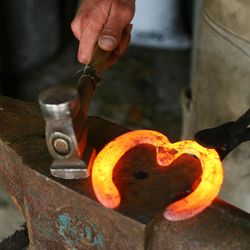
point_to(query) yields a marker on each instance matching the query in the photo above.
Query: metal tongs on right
(226, 137)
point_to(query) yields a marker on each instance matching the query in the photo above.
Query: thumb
(111, 35)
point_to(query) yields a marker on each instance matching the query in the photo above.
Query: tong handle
(226, 137)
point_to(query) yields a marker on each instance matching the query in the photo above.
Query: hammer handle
(85, 85)
(99, 59)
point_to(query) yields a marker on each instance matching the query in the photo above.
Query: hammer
(65, 110)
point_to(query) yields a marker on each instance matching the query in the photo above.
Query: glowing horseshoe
(167, 152)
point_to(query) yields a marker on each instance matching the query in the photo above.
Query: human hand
(106, 22)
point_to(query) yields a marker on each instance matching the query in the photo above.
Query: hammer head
(65, 111)
(66, 132)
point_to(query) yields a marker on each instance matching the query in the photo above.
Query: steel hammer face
(66, 132)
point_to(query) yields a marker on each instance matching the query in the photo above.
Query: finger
(76, 24)
(111, 35)
(76, 27)
(88, 39)
(125, 40)
(112, 60)
(122, 48)
(119, 17)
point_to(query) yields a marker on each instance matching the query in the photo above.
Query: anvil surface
(65, 214)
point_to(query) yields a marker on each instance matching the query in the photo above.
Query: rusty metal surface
(64, 214)
(221, 226)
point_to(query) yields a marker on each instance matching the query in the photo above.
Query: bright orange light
(167, 152)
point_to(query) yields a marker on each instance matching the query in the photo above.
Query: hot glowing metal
(185, 208)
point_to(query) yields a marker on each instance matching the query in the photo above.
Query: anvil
(65, 214)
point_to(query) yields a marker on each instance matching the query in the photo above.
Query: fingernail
(107, 42)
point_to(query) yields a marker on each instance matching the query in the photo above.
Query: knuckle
(85, 17)
(96, 13)
(112, 29)
(94, 18)
(74, 26)
(125, 9)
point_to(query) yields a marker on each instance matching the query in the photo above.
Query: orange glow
(167, 152)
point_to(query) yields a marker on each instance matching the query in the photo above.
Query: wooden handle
(99, 59)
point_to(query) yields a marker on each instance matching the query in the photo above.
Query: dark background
(38, 50)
